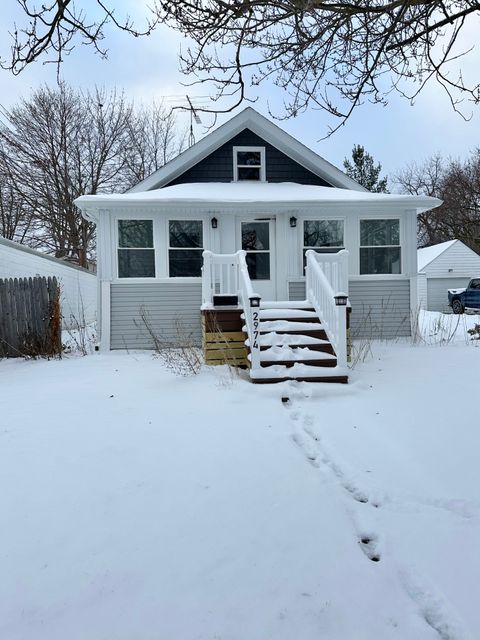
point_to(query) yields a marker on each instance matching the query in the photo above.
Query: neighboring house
(79, 286)
(250, 186)
(444, 266)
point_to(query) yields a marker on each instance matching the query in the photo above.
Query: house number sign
(255, 329)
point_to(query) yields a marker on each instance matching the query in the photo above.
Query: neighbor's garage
(449, 265)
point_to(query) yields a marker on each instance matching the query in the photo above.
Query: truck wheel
(457, 306)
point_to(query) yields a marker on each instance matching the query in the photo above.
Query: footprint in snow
(370, 546)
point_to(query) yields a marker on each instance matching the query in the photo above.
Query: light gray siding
(437, 292)
(165, 304)
(380, 309)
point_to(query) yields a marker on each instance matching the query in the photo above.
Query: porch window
(185, 248)
(136, 254)
(380, 250)
(325, 236)
(248, 163)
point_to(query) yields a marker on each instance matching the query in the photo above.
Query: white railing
(227, 274)
(326, 287)
(219, 276)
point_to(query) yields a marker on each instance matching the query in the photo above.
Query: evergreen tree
(363, 170)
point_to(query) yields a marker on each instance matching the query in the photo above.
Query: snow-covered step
(287, 356)
(287, 353)
(287, 314)
(289, 326)
(290, 339)
(301, 372)
(285, 304)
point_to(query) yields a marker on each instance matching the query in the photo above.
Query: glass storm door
(257, 238)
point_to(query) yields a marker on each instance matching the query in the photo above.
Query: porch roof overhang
(241, 193)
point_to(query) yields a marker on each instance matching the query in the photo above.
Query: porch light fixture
(214, 223)
(293, 222)
(255, 301)
(341, 300)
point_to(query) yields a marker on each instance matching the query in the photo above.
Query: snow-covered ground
(140, 505)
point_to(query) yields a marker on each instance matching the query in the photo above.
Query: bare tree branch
(62, 143)
(331, 55)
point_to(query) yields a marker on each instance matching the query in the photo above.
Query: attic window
(249, 164)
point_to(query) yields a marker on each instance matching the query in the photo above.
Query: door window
(256, 242)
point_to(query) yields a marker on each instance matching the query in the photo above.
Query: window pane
(259, 266)
(248, 173)
(184, 263)
(380, 260)
(255, 236)
(136, 263)
(249, 158)
(323, 233)
(379, 232)
(135, 233)
(186, 233)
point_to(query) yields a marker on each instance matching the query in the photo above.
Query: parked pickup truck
(469, 298)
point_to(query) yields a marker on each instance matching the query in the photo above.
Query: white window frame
(236, 165)
(314, 218)
(399, 219)
(118, 247)
(169, 248)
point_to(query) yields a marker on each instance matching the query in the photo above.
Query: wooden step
(292, 315)
(286, 304)
(337, 379)
(290, 363)
(273, 339)
(288, 356)
(299, 371)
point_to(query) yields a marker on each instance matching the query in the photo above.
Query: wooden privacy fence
(30, 317)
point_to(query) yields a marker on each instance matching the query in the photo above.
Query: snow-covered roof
(428, 254)
(251, 192)
(21, 247)
(270, 132)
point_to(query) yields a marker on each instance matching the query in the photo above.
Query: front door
(257, 238)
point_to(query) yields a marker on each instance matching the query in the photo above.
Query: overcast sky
(147, 68)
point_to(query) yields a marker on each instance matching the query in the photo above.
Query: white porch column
(105, 304)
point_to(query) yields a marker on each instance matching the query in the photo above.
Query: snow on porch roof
(251, 192)
(428, 254)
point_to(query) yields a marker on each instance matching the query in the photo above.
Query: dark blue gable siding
(218, 166)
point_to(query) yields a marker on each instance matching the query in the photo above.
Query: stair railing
(228, 274)
(251, 310)
(327, 292)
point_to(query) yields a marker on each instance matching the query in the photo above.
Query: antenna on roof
(193, 105)
(193, 116)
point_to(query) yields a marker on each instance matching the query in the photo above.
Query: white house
(444, 266)
(248, 202)
(78, 286)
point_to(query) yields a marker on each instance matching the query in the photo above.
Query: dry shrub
(180, 354)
